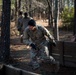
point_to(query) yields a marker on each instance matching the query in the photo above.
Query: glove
(54, 43)
(33, 46)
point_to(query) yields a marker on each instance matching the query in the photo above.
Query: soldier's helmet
(32, 23)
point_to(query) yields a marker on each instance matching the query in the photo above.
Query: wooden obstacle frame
(10, 70)
(65, 53)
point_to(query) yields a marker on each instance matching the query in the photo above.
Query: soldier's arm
(51, 38)
(47, 33)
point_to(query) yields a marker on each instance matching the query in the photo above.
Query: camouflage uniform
(25, 22)
(19, 25)
(39, 38)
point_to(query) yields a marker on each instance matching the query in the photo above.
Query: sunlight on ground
(41, 22)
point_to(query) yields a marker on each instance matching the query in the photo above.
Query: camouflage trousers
(40, 54)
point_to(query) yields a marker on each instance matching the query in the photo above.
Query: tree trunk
(50, 13)
(16, 11)
(5, 31)
(30, 9)
(56, 31)
(19, 5)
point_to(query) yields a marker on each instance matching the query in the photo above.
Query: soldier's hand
(54, 43)
(33, 46)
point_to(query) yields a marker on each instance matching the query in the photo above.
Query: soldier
(19, 25)
(37, 37)
(25, 21)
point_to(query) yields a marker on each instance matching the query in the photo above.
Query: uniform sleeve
(26, 39)
(47, 33)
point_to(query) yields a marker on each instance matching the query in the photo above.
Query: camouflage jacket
(25, 22)
(37, 37)
(19, 25)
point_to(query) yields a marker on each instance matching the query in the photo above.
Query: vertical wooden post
(61, 48)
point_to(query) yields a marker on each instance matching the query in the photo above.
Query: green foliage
(67, 17)
(0, 2)
(67, 14)
(12, 1)
(12, 4)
